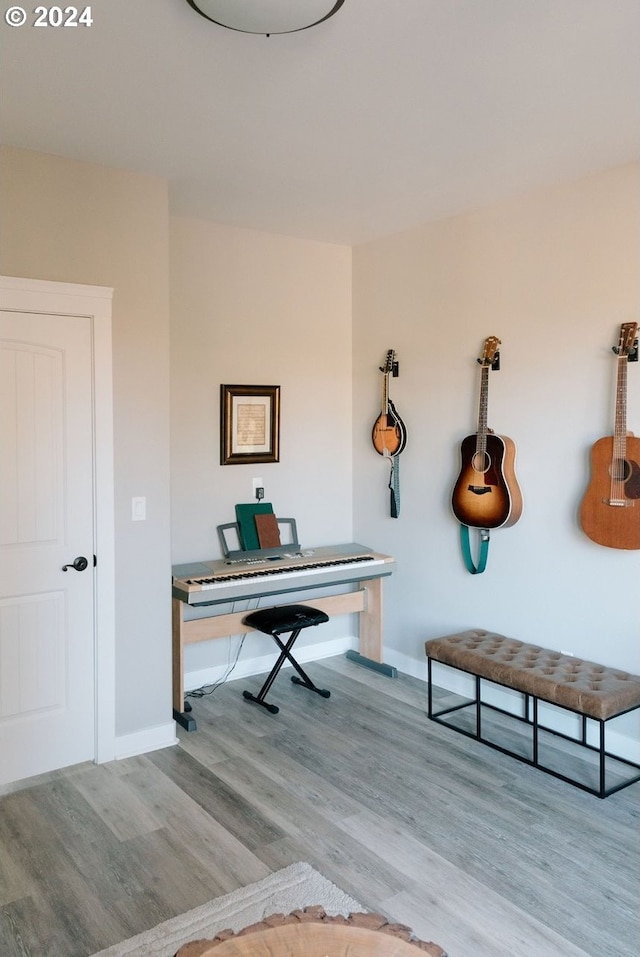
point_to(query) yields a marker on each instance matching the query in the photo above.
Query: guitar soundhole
(620, 470)
(481, 462)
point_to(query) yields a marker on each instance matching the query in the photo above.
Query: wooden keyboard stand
(366, 601)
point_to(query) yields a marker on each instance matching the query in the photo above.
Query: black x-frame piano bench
(283, 620)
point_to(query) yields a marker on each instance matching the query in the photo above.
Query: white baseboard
(162, 736)
(149, 739)
(622, 745)
(264, 663)
(407, 666)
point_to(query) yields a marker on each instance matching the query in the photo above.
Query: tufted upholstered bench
(591, 691)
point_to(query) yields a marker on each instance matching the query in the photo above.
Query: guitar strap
(483, 551)
(394, 486)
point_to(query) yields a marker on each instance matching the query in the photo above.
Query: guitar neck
(619, 468)
(483, 406)
(620, 423)
(385, 394)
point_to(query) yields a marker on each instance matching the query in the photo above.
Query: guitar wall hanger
(394, 371)
(495, 362)
(632, 355)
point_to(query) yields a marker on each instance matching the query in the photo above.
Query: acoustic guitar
(610, 509)
(486, 494)
(389, 434)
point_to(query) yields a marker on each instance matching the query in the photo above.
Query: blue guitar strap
(394, 485)
(483, 551)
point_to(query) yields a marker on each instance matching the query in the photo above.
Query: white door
(47, 635)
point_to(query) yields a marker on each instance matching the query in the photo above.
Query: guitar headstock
(491, 344)
(627, 339)
(390, 366)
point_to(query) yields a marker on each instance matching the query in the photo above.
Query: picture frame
(249, 424)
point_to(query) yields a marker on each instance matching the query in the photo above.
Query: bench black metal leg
(531, 717)
(602, 752)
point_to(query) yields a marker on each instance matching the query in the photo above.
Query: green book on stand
(246, 519)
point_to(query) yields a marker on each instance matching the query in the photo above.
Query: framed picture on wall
(249, 424)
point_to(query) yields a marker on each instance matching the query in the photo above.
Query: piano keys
(222, 581)
(217, 582)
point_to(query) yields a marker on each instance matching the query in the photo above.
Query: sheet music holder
(229, 535)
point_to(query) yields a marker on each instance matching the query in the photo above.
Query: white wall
(82, 223)
(552, 275)
(253, 308)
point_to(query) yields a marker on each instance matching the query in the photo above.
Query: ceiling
(390, 114)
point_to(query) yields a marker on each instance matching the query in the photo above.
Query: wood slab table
(311, 933)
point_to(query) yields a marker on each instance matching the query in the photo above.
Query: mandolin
(486, 494)
(610, 509)
(389, 434)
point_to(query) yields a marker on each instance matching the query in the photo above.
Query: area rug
(294, 887)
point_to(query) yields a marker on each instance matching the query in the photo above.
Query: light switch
(138, 509)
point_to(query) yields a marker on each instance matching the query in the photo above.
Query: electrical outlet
(259, 493)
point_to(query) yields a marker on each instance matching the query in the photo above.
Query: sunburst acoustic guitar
(610, 509)
(486, 494)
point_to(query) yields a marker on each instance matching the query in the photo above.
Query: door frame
(94, 303)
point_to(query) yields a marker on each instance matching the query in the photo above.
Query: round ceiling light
(266, 16)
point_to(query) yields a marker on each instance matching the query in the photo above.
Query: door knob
(79, 563)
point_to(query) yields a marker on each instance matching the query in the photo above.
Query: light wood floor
(485, 856)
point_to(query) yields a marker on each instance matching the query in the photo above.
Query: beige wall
(247, 307)
(553, 275)
(254, 308)
(76, 222)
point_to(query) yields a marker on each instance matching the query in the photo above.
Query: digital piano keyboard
(224, 580)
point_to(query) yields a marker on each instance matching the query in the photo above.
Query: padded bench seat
(585, 688)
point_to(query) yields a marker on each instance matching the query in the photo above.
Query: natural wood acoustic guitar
(486, 494)
(610, 509)
(389, 434)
